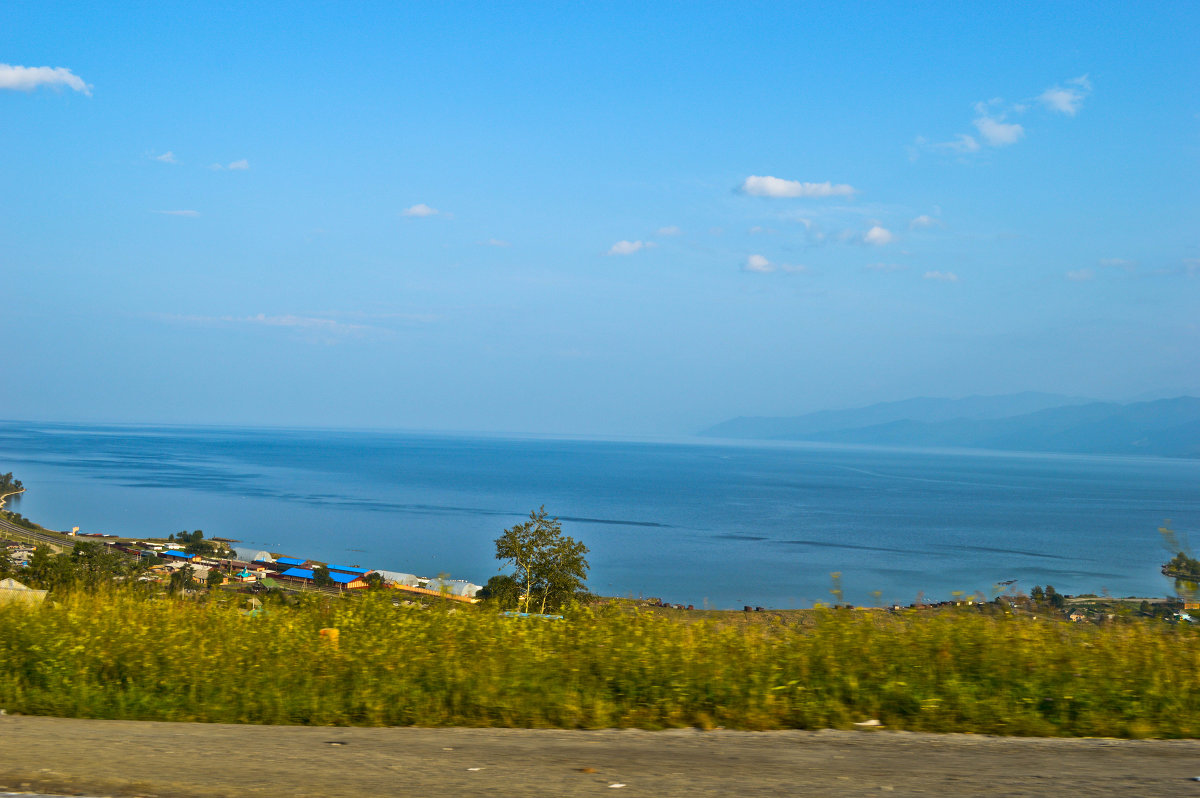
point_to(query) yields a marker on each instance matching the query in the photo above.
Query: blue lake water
(688, 521)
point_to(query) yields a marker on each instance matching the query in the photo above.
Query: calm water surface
(690, 521)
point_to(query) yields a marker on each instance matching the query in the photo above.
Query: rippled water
(689, 521)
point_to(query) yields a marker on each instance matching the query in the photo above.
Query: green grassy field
(117, 654)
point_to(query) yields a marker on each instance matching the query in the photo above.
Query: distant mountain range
(1035, 422)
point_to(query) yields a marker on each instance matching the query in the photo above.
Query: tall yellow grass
(120, 655)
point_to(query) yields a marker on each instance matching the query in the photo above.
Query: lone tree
(321, 577)
(551, 567)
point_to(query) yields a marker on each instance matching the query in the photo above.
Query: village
(213, 563)
(217, 566)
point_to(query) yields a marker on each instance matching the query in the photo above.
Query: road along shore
(133, 758)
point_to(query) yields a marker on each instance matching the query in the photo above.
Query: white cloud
(1081, 275)
(496, 242)
(22, 78)
(997, 132)
(420, 210)
(303, 322)
(625, 247)
(670, 230)
(313, 325)
(885, 267)
(1119, 263)
(179, 213)
(233, 167)
(878, 236)
(963, 143)
(946, 277)
(760, 265)
(757, 263)
(757, 186)
(1067, 100)
(166, 157)
(924, 221)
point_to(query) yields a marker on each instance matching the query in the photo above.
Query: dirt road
(125, 758)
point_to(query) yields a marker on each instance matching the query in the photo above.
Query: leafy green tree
(1183, 566)
(563, 572)
(214, 579)
(1054, 598)
(1037, 594)
(48, 571)
(374, 580)
(183, 579)
(8, 484)
(550, 567)
(501, 591)
(93, 564)
(194, 543)
(321, 577)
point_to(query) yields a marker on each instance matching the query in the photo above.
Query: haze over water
(690, 522)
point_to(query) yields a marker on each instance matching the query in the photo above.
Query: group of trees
(194, 543)
(1183, 567)
(8, 484)
(1048, 596)
(550, 567)
(88, 565)
(185, 579)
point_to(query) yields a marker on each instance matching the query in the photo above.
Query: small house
(348, 581)
(297, 574)
(350, 569)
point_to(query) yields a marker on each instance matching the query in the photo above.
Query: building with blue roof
(290, 561)
(350, 581)
(350, 569)
(180, 555)
(298, 573)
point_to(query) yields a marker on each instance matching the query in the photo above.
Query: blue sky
(608, 218)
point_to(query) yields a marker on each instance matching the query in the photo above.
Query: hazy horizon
(626, 219)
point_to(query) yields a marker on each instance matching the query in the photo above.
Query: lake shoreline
(708, 525)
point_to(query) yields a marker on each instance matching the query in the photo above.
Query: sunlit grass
(120, 655)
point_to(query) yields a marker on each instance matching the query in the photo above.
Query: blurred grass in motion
(117, 654)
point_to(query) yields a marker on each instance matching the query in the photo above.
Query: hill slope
(1167, 427)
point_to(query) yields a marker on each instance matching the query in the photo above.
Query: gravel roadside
(129, 758)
